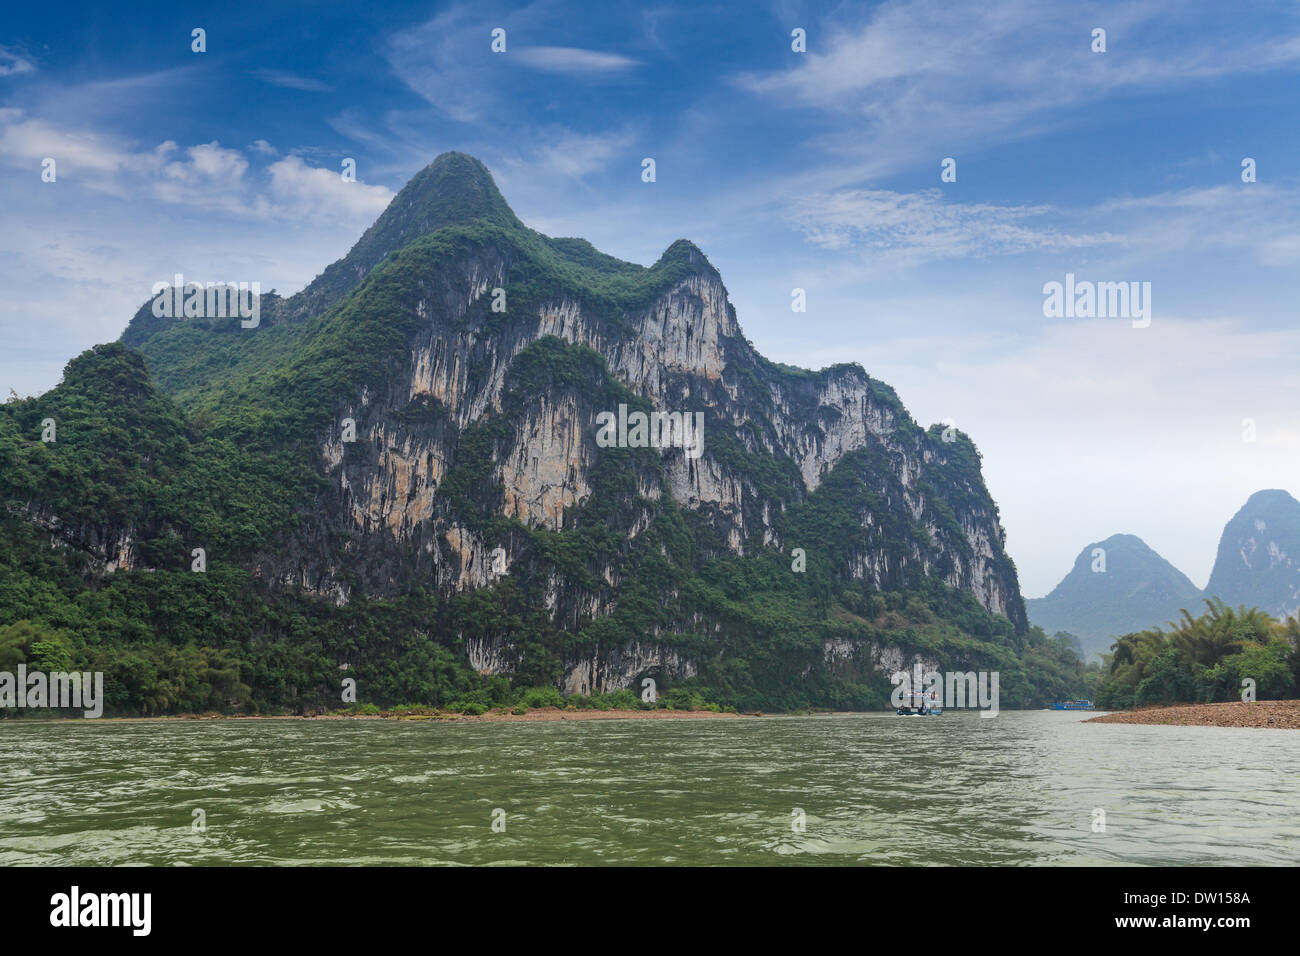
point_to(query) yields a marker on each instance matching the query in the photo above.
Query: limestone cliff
(451, 373)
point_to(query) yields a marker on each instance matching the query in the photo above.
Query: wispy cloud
(12, 62)
(208, 176)
(1257, 218)
(445, 61)
(925, 226)
(920, 73)
(449, 62)
(572, 60)
(26, 141)
(574, 155)
(292, 81)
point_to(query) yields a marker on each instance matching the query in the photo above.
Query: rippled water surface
(1020, 788)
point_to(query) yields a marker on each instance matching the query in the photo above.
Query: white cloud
(1281, 250)
(572, 60)
(25, 142)
(13, 63)
(208, 162)
(210, 177)
(301, 191)
(205, 176)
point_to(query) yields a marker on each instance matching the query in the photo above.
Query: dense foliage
(1204, 659)
(171, 640)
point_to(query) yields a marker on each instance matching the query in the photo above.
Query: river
(1022, 788)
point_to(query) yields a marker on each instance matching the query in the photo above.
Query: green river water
(1017, 789)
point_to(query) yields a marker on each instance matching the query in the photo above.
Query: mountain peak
(1258, 562)
(1117, 585)
(1131, 551)
(687, 254)
(1120, 539)
(454, 162)
(454, 189)
(1270, 498)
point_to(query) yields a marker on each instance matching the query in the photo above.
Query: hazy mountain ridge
(1135, 588)
(1257, 565)
(1258, 561)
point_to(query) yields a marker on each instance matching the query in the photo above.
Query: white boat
(922, 704)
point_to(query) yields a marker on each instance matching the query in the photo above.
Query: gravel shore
(1280, 714)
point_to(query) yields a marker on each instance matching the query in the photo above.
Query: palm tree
(1219, 632)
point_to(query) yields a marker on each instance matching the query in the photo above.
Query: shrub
(543, 697)
(470, 707)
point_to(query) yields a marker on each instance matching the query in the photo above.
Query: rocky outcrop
(1258, 562)
(450, 462)
(109, 547)
(616, 668)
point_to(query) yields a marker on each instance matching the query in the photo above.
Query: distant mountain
(1137, 589)
(1258, 563)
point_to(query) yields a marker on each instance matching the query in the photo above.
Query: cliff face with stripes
(428, 412)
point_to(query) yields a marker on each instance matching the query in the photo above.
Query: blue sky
(817, 170)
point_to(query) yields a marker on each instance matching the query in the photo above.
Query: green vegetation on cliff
(170, 639)
(198, 435)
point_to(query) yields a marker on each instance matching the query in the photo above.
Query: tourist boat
(912, 706)
(1071, 705)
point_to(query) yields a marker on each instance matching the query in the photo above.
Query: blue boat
(1071, 705)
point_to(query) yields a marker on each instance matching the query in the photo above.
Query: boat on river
(921, 705)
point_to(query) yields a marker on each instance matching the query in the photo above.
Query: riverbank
(1278, 714)
(556, 713)
(532, 715)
